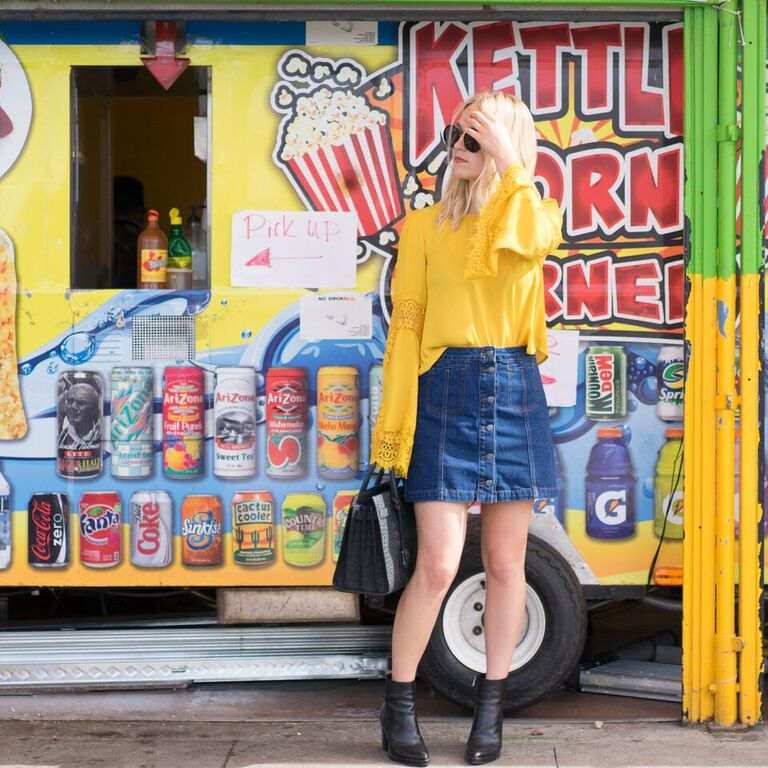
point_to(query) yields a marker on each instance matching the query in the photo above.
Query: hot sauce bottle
(152, 254)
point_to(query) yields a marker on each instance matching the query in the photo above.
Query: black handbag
(378, 547)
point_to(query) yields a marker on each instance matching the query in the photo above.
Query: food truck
(213, 435)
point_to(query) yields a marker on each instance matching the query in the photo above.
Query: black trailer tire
(550, 644)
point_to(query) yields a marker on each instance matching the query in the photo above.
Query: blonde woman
(463, 417)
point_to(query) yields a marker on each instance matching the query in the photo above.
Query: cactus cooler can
(183, 422)
(131, 426)
(234, 410)
(338, 405)
(201, 530)
(341, 506)
(286, 406)
(606, 383)
(304, 527)
(253, 528)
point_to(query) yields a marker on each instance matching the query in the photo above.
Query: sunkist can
(202, 524)
(151, 521)
(670, 383)
(338, 416)
(668, 499)
(341, 506)
(286, 404)
(304, 524)
(610, 487)
(375, 392)
(48, 530)
(253, 528)
(183, 422)
(606, 383)
(79, 423)
(234, 412)
(131, 424)
(101, 529)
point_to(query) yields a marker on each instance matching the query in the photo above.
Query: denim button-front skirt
(482, 429)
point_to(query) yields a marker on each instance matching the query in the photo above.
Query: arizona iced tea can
(286, 422)
(234, 413)
(183, 422)
(79, 423)
(338, 403)
(131, 425)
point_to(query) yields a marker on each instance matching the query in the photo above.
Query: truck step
(641, 679)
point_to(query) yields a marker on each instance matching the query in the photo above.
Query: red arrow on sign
(261, 259)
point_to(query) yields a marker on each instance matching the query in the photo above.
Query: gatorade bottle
(152, 254)
(554, 505)
(668, 501)
(179, 255)
(610, 487)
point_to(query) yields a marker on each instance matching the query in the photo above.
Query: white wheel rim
(464, 632)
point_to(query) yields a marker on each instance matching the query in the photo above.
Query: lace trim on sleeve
(392, 450)
(407, 315)
(479, 260)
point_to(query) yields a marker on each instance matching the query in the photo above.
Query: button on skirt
(482, 429)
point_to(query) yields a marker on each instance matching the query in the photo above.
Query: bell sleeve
(392, 440)
(514, 223)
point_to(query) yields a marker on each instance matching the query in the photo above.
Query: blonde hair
(516, 116)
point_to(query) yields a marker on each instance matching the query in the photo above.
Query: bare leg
(441, 527)
(504, 537)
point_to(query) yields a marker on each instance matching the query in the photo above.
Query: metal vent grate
(163, 337)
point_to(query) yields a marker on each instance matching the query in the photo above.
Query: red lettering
(637, 291)
(595, 177)
(674, 280)
(642, 107)
(673, 92)
(656, 192)
(553, 306)
(493, 58)
(586, 289)
(545, 43)
(595, 45)
(550, 171)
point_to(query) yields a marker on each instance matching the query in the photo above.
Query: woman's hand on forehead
(493, 136)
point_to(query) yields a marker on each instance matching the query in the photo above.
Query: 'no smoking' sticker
(15, 108)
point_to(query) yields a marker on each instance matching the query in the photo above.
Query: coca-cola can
(79, 424)
(234, 410)
(101, 529)
(48, 537)
(151, 529)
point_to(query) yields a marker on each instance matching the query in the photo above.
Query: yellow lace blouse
(475, 286)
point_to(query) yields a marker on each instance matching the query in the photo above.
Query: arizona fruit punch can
(183, 422)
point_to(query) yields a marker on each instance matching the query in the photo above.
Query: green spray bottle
(179, 255)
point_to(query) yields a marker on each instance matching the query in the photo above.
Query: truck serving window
(136, 148)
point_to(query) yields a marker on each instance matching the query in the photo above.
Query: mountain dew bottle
(668, 495)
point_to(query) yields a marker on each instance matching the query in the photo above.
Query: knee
(436, 575)
(500, 567)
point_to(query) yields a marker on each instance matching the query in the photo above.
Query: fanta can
(338, 405)
(668, 487)
(610, 487)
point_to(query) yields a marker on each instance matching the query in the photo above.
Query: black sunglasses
(452, 133)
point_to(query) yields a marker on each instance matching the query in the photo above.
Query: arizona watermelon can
(338, 413)
(286, 422)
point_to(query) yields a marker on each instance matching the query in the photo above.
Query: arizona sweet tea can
(101, 529)
(338, 402)
(253, 528)
(606, 383)
(79, 423)
(131, 425)
(286, 422)
(48, 531)
(670, 383)
(234, 412)
(202, 524)
(183, 422)
(341, 506)
(151, 529)
(304, 526)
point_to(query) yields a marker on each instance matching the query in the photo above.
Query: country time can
(101, 529)
(183, 422)
(48, 531)
(338, 403)
(286, 404)
(79, 423)
(606, 383)
(341, 505)
(201, 530)
(131, 424)
(253, 528)
(234, 412)
(304, 524)
(151, 522)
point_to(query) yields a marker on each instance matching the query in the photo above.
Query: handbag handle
(394, 496)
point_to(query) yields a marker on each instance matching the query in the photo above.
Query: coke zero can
(48, 537)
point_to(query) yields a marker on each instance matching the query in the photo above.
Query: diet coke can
(48, 537)
(286, 422)
(79, 423)
(101, 529)
(234, 410)
(151, 529)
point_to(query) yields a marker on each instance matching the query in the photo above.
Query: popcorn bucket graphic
(347, 166)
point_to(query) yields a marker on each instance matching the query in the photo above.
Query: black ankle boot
(400, 736)
(484, 743)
